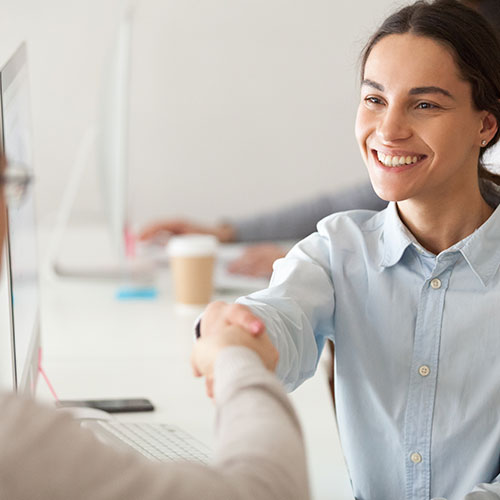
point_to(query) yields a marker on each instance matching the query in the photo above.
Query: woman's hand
(219, 314)
(229, 324)
(206, 350)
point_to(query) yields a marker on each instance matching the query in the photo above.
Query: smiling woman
(423, 131)
(420, 135)
(409, 295)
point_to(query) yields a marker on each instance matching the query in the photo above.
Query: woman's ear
(489, 127)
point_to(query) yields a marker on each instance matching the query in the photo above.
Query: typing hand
(224, 232)
(257, 260)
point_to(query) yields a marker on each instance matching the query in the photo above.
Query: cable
(44, 375)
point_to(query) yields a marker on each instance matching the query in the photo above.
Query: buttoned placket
(423, 378)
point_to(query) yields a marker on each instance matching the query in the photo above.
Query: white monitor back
(113, 138)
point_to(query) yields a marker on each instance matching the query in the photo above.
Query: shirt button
(424, 370)
(416, 458)
(436, 283)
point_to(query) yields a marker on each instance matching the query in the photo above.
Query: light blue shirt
(417, 340)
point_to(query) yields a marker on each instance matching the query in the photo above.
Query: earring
(484, 142)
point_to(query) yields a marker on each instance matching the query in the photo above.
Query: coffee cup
(192, 261)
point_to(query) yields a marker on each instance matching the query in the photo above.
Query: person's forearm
(47, 456)
(259, 444)
(485, 491)
(297, 307)
(298, 220)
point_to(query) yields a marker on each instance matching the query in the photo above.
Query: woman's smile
(397, 161)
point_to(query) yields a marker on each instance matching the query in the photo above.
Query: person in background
(409, 295)
(45, 455)
(289, 223)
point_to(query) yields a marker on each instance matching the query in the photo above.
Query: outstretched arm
(259, 450)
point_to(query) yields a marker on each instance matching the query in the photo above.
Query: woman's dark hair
(490, 9)
(474, 44)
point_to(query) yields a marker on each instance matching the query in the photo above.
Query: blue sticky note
(136, 293)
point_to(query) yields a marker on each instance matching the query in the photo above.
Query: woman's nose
(393, 125)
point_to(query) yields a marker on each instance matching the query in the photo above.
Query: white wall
(236, 105)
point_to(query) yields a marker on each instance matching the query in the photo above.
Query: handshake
(223, 325)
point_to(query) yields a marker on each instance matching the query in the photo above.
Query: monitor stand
(87, 251)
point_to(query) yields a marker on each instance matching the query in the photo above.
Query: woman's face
(416, 126)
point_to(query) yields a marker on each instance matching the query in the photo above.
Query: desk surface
(95, 346)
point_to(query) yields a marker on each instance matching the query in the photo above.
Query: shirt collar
(481, 249)
(396, 237)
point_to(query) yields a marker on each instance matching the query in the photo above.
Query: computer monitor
(19, 285)
(113, 255)
(113, 136)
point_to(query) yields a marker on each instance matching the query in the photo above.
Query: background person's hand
(257, 260)
(166, 228)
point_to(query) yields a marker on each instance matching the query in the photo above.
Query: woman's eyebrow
(431, 89)
(371, 83)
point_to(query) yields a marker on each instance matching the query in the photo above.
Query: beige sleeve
(47, 456)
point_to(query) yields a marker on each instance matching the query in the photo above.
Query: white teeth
(396, 161)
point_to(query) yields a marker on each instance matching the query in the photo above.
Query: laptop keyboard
(157, 442)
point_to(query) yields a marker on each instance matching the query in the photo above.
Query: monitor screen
(22, 262)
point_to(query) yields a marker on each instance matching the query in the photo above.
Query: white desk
(98, 347)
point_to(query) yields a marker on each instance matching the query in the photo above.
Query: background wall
(236, 105)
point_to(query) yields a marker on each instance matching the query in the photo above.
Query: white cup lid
(192, 245)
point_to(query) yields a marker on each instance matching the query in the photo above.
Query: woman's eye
(373, 100)
(426, 105)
